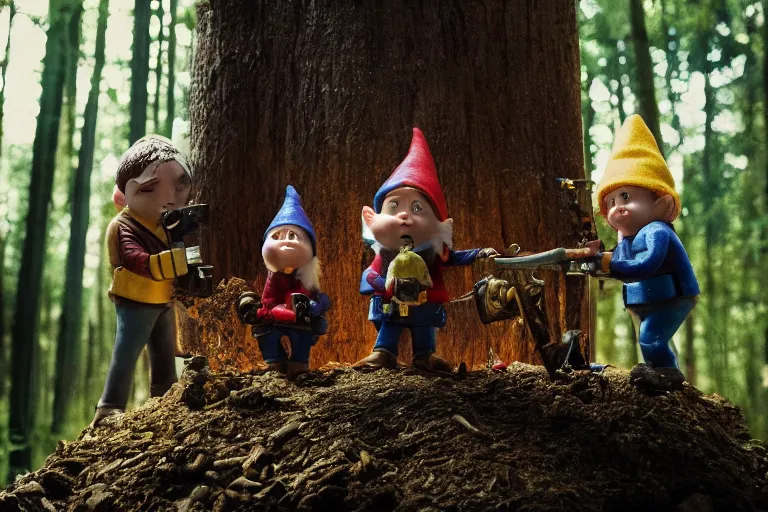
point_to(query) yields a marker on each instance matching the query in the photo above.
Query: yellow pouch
(168, 264)
(132, 286)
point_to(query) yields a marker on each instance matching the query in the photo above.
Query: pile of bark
(340, 439)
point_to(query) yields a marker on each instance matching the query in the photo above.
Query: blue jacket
(654, 266)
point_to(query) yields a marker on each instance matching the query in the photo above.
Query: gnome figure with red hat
(410, 210)
(288, 317)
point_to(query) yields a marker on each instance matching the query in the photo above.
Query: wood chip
(464, 423)
(253, 457)
(232, 461)
(244, 483)
(283, 434)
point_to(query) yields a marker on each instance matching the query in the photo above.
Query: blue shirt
(654, 266)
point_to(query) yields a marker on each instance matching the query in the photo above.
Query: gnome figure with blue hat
(409, 229)
(637, 196)
(288, 317)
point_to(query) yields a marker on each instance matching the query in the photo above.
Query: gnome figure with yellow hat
(637, 196)
(409, 229)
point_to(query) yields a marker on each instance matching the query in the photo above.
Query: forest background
(82, 79)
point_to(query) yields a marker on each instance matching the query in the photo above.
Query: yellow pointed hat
(636, 161)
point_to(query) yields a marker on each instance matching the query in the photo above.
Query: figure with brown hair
(153, 177)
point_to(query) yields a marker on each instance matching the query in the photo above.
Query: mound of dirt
(401, 440)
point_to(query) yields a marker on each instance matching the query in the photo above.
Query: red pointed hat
(417, 171)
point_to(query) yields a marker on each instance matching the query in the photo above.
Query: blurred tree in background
(696, 70)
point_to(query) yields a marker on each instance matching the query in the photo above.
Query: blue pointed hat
(292, 213)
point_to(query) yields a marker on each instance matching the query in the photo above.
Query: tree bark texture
(139, 70)
(323, 95)
(25, 341)
(69, 339)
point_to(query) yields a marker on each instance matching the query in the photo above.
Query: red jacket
(276, 297)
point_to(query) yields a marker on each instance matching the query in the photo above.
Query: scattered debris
(403, 440)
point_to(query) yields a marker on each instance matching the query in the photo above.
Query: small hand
(247, 306)
(488, 252)
(407, 289)
(282, 315)
(591, 249)
(264, 315)
(286, 343)
(249, 316)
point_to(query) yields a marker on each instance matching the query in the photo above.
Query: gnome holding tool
(637, 196)
(153, 178)
(409, 223)
(288, 316)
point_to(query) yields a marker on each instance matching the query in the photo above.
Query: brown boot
(431, 363)
(102, 413)
(296, 368)
(276, 367)
(656, 380)
(378, 359)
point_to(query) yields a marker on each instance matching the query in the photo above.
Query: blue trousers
(655, 324)
(272, 350)
(423, 337)
(139, 325)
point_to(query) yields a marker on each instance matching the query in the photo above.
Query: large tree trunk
(67, 350)
(25, 327)
(645, 90)
(171, 101)
(139, 70)
(324, 95)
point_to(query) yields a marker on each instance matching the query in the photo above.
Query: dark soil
(401, 440)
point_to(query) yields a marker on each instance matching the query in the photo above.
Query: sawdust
(402, 440)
